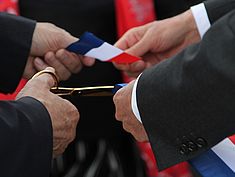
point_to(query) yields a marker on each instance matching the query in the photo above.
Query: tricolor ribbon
(219, 161)
(91, 46)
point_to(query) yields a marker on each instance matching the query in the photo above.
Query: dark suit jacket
(187, 102)
(25, 127)
(169, 8)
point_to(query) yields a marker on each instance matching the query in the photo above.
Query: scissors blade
(84, 91)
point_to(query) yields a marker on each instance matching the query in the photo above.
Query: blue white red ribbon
(219, 161)
(91, 46)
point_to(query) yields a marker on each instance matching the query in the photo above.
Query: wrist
(189, 23)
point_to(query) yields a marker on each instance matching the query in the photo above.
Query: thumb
(46, 78)
(67, 40)
(142, 47)
(88, 61)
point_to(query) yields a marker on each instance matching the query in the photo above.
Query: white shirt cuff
(201, 17)
(134, 100)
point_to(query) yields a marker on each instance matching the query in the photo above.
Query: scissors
(82, 91)
(88, 91)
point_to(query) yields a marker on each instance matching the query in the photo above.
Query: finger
(127, 40)
(133, 69)
(67, 39)
(70, 60)
(123, 67)
(29, 70)
(39, 64)
(126, 127)
(46, 80)
(136, 129)
(88, 61)
(138, 66)
(61, 70)
(133, 75)
(141, 47)
(131, 37)
(122, 43)
(117, 99)
(59, 149)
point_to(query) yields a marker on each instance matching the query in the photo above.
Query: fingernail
(64, 55)
(138, 66)
(89, 61)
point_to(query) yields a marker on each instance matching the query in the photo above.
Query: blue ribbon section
(210, 165)
(117, 87)
(86, 42)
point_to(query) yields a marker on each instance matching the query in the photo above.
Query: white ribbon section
(105, 52)
(226, 152)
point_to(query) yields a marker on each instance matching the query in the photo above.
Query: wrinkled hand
(48, 37)
(64, 62)
(64, 116)
(47, 49)
(122, 101)
(157, 41)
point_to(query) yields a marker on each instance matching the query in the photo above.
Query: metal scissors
(82, 91)
(88, 91)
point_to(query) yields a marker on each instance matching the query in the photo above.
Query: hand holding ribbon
(157, 41)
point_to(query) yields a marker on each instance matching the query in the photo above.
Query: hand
(64, 116)
(48, 37)
(122, 101)
(157, 41)
(64, 62)
(47, 45)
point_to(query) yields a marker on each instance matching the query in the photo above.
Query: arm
(26, 137)
(16, 37)
(18, 55)
(157, 41)
(217, 8)
(191, 96)
(162, 39)
(33, 127)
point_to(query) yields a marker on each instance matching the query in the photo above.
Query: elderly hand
(122, 101)
(47, 49)
(64, 116)
(157, 41)
(48, 37)
(64, 62)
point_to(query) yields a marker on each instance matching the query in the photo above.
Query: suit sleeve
(16, 37)
(187, 103)
(218, 8)
(26, 138)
